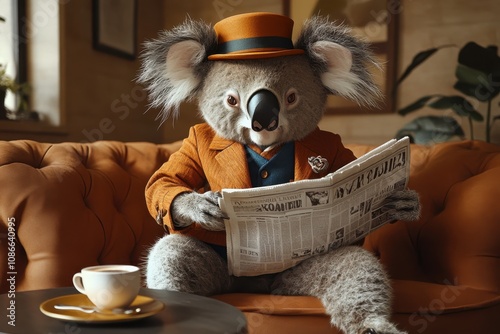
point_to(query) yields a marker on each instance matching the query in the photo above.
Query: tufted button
(264, 174)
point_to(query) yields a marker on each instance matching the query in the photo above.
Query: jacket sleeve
(183, 172)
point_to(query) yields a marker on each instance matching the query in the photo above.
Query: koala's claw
(369, 331)
(203, 209)
(403, 205)
(391, 330)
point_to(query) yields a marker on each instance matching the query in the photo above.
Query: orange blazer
(206, 161)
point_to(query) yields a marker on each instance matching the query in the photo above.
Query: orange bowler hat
(254, 36)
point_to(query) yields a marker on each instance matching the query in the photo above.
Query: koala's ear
(175, 64)
(340, 60)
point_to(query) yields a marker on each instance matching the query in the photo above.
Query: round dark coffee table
(183, 313)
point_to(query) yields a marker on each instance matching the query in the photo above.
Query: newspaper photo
(270, 229)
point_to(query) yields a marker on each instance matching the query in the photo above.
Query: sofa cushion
(418, 308)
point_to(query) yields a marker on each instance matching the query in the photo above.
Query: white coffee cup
(109, 286)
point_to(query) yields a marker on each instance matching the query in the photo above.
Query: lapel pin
(318, 163)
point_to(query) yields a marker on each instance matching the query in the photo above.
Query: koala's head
(252, 84)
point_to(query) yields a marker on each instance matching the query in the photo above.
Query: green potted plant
(9, 84)
(6, 83)
(478, 77)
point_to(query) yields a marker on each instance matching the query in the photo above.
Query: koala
(261, 98)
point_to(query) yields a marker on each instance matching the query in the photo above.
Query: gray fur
(201, 208)
(403, 205)
(243, 78)
(181, 263)
(352, 285)
(318, 29)
(163, 91)
(350, 282)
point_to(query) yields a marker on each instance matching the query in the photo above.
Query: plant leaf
(478, 92)
(484, 59)
(472, 76)
(431, 129)
(420, 103)
(446, 102)
(469, 90)
(467, 110)
(418, 59)
(482, 86)
(458, 104)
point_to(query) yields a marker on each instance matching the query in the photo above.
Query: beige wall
(100, 99)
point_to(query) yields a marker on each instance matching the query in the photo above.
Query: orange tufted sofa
(75, 205)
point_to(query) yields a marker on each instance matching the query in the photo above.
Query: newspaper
(270, 229)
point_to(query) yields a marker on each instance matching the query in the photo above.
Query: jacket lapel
(303, 170)
(309, 147)
(230, 160)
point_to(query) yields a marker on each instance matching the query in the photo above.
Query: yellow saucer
(150, 305)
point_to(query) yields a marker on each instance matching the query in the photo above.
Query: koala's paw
(403, 205)
(372, 331)
(380, 326)
(203, 209)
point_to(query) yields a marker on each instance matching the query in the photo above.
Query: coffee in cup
(109, 286)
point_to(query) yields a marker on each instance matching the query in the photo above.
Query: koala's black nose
(264, 108)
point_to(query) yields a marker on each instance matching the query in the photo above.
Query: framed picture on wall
(114, 27)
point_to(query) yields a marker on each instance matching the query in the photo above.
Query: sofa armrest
(457, 239)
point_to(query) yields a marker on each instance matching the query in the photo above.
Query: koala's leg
(352, 286)
(181, 263)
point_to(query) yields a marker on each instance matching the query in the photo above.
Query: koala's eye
(291, 97)
(232, 101)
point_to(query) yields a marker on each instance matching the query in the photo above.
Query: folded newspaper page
(270, 229)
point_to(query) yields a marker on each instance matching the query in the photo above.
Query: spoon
(90, 310)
